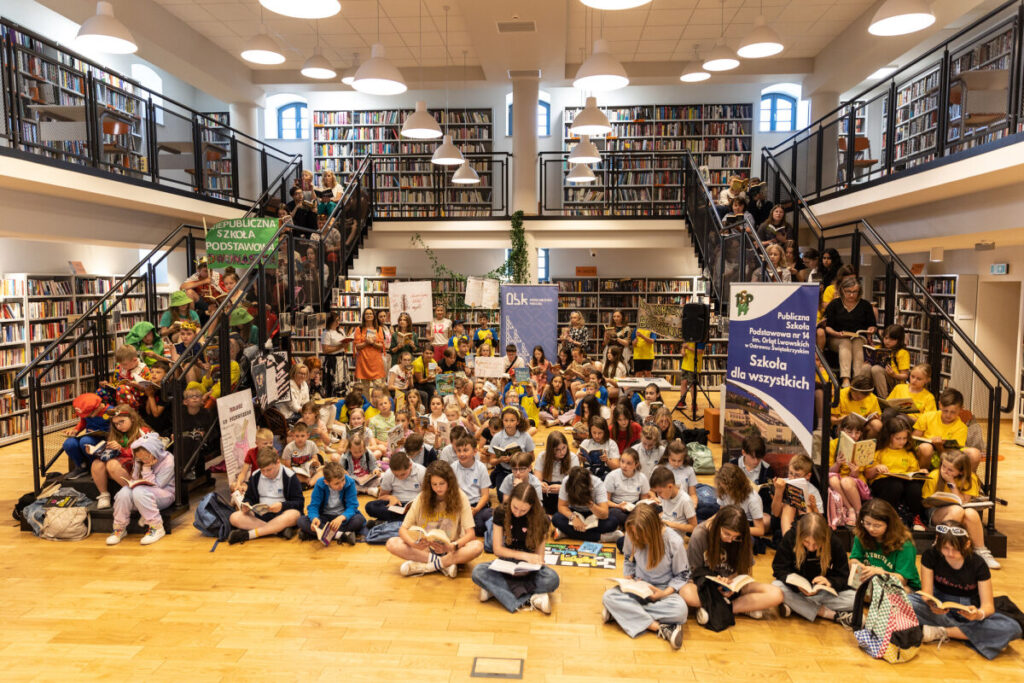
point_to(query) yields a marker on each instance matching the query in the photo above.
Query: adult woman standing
(618, 334)
(369, 346)
(576, 334)
(385, 328)
(332, 341)
(844, 317)
(403, 338)
(440, 331)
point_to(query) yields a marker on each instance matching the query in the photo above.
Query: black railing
(409, 186)
(963, 94)
(643, 184)
(63, 109)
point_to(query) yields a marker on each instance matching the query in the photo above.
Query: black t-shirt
(839, 319)
(961, 583)
(160, 424)
(517, 530)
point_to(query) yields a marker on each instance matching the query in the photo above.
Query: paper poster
(666, 320)
(238, 241)
(489, 366)
(474, 291)
(769, 388)
(414, 298)
(568, 555)
(237, 420)
(529, 317)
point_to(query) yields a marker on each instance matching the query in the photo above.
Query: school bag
(700, 456)
(696, 434)
(380, 533)
(837, 510)
(59, 514)
(718, 607)
(890, 630)
(212, 517)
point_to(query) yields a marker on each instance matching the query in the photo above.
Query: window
(543, 270)
(543, 114)
(293, 121)
(778, 113)
(151, 80)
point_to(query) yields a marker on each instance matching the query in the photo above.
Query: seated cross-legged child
(399, 486)
(474, 481)
(334, 504)
(513, 434)
(654, 556)
(677, 511)
(552, 467)
(751, 462)
(275, 486)
(942, 427)
(733, 488)
(362, 466)
(419, 452)
(954, 476)
(896, 476)
(952, 572)
(882, 545)
(522, 466)
(811, 551)
(789, 510)
(302, 453)
(520, 528)
(626, 487)
(583, 503)
(93, 423)
(113, 459)
(650, 450)
(155, 465)
(859, 399)
(440, 506)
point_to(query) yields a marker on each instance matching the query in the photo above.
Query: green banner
(238, 241)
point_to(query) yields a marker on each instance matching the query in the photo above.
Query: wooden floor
(282, 611)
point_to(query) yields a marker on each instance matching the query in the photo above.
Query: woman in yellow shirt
(915, 390)
(954, 476)
(895, 368)
(891, 474)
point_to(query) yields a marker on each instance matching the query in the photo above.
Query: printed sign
(238, 241)
(237, 430)
(529, 317)
(568, 555)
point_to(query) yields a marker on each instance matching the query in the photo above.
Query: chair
(861, 152)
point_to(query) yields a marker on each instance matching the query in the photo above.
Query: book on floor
(802, 583)
(733, 585)
(514, 568)
(943, 498)
(939, 604)
(637, 589)
(591, 547)
(418, 533)
(859, 453)
(132, 483)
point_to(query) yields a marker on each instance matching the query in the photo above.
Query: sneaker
(103, 501)
(932, 633)
(485, 595)
(673, 633)
(306, 535)
(919, 524)
(347, 537)
(702, 616)
(77, 473)
(986, 554)
(612, 536)
(289, 533)
(154, 534)
(115, 538)
(373, 491)
(542, 602)
(845, 619)
(785, 610)
(756, 614)
(238, 536)
(557, 535)
(606, 616)
(410, 568)
(451, 571)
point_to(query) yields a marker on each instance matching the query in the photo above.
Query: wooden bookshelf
(216, 154)
(917, 113)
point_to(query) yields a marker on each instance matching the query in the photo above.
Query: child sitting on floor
(152, 463)
(334, 505)
(276, 487)
(301, 455)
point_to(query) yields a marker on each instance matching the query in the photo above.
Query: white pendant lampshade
(721, 58)
(580, 174)
(601, 71)
(378, 76)
(899, 17)
(763, 41)
(263, 50)
(614, 4)
(303, 9)
(694, 73)
(591, 121)
(585, 152)
(466, 175)
(317, 66)
(102, 32)
(421, 125)
(447, 154)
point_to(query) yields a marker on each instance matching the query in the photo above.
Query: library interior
(566, 340)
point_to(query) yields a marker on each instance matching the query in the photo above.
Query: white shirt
(649, 458)
(560, 469)
(272, 490)
(626, 490)
(473, 480)
(678, 509)
(598, 494)
(440, 330)
(685, 476)
(399, 378)
(752, 506)
(331, 338)
(404, 489)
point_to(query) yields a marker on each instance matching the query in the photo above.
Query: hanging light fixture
(103, 32)
(378, 76)
(585, 152)
(303, 9)
(350, 73)
(466, 175)
(614, 4)
(447, 154)
(591, 121)
(694, 72)
(420, 125)
(900, 17)
(762, 41)
(721, 58)
(601, 71)
(263, 49)
(579, 174)
(317, 66)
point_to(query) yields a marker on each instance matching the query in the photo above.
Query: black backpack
(213, 517)
(719, 609)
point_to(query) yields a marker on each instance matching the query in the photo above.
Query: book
(590, 457)
(443, 432)
(800, 582)
(943, 498)
(398, 509)
(325, 534)
(939, 604)
(799, 492)
(77, 267)
(364, 479)
(949, 444)
(637, 589)
(859, 453)
(910, 476)
(864, 419)
(132, 483)
(418, 533)
(654, 408)
(862, 334)
(513, 568)
(522, 375)
(591, 547)
(396, 435)
(877, 355)
(733, 585)
(302, 470)
(903, 406)
(145, 384)
(257, 509)
(506, 451)
(645, 501)
(321, 402)
(853, 580)
(100, 451)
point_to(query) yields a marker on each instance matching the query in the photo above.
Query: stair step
(103, 521)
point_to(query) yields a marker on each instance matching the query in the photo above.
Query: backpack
(59, 514)
(380, 534)
(890, 631)
(700, 456)
(213, 517)
(66, 524)
(837, 510)
(718, 607)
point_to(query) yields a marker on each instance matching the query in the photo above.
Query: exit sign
(999, 269)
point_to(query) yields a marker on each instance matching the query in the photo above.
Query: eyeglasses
(954, 530)
(520, 469)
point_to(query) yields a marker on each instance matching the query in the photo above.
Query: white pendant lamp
(447, 154)
(585, 152)
(591, 121)
(601, 71)
(763, 41)
(318, 67)
(263, 50)
(350, 73)
(103, 32)
(899, 17)
(694, 72)
(721, 58)
(378, 76)
(614, 4)
(421, 125)
(466, 175)
(580, 174)
(303, 9)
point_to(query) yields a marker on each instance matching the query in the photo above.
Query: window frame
(541, 104)
(301, 109)
(774, 98)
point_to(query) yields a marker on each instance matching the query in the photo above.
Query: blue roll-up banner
(529, 317)
(770, 375)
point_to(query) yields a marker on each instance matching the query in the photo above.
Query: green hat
(179, 298)
(239, 316)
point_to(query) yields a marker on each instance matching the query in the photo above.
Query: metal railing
(642, 184)
(964, 94)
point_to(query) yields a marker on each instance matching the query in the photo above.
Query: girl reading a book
(657, 566)
(721, 547)
(153, 464)
(540, 367)
(916, 389)
(514, 433)
(113, 459)
(845, 477)
(811, 570)
(362, 466)
(734, 489)
(882, 545)
(599, 452)
(652, 401)
(891, 362)
(665, 424)
(520, 528)
(619, 334)
(554, 401)
(552, 467)
(583, 508)
(403, 336)
(441, 505)
(952, 572)
(892, 477)
(626, 486)
(954, 480)
(435, 416)
(612, 368)
(624, 431)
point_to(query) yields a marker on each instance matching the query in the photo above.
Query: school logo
(743, 299)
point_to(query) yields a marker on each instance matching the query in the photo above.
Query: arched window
(151, 80)
(543, 114)
(293, 121)
(778, 113)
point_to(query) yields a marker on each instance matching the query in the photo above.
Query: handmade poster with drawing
(413, 298)
(489, 366)
(665, 320)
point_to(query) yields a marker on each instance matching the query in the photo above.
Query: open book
(443, 431)
(943, 498)
(396, 435)
(100, 451)
(257, 509)
(939, 604)
(859, 453)
(143, 385)
(418, 533)
(513, 568)
(950, 444)
(910, 476)
(644, 501)
(507, 451)
(589, 458)
(876, 355)
(734, 585)
(325, 534)
(800, 582)
(800, 492)
(364, 479)
(864, 419)
(863, 334)
(904, 406)
(853, 580)
(638, 589)
(132, 483)
(398, 509)
(589, 522)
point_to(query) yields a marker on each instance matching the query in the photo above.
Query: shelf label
(586, 271)
(387, 271)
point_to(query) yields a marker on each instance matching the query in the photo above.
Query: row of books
(396, 117)
(10, 311)
(11, 333)
(727, 160)
(727, 145)
(49, 309)
(48, 287)
(12, 425)
(12, 356)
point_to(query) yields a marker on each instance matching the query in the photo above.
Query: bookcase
(859, 118)
(917, 112)
(406, 182)
(216, 153)
(718, 135)
(991, 54)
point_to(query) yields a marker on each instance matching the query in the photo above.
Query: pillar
(245, 119)
(531, 255)
(524, 146)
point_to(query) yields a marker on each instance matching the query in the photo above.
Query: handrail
(905, 69)
(898, 263)
(260, 201)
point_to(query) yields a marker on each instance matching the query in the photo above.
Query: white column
(531, 255)
(524, 147)
(245, 118)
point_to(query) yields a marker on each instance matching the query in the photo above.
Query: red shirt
(627, 437)
(250, 460)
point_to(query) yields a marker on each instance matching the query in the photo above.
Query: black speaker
(695, 322)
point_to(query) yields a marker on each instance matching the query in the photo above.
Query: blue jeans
(355, 523)
(545, 580)
(707, 502)
(604, 526)
(989, 637)
(75, 448)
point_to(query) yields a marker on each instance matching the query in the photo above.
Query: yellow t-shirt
(691, 357)
(932, 427)
(643, 349)
(899, 461)
(826, 299)
(863, 407)
(899, 362)
(931, 485)
(924, 400)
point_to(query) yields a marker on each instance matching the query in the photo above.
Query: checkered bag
(890, 630)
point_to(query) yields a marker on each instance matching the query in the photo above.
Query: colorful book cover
(567, 554)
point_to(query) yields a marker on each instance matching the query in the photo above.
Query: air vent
(523, 73)
(517, 27)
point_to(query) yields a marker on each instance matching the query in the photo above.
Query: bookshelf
(718, 135)
(917, 113)
(216, 153)
(859, 118)
(991, 54)
(406, 182)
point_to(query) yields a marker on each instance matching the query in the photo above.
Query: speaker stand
(694, 388)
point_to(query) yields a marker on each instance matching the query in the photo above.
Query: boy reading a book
(398, 487)
(941, 428)
(363, 466)
(419, 452)
(473, 479)
(677, 511)
(512, 360)
(273, 501)
(93, 425)
(333, 507)
(522, 466)
(301, 454)
(796, 496)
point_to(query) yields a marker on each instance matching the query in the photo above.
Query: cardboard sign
(586, 271)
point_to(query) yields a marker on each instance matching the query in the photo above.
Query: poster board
(529, 318)
(237, 420)
(414, 298)
(665, 320)
(490, 366)
(481, 292)
(238, 241)
(561, 554)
